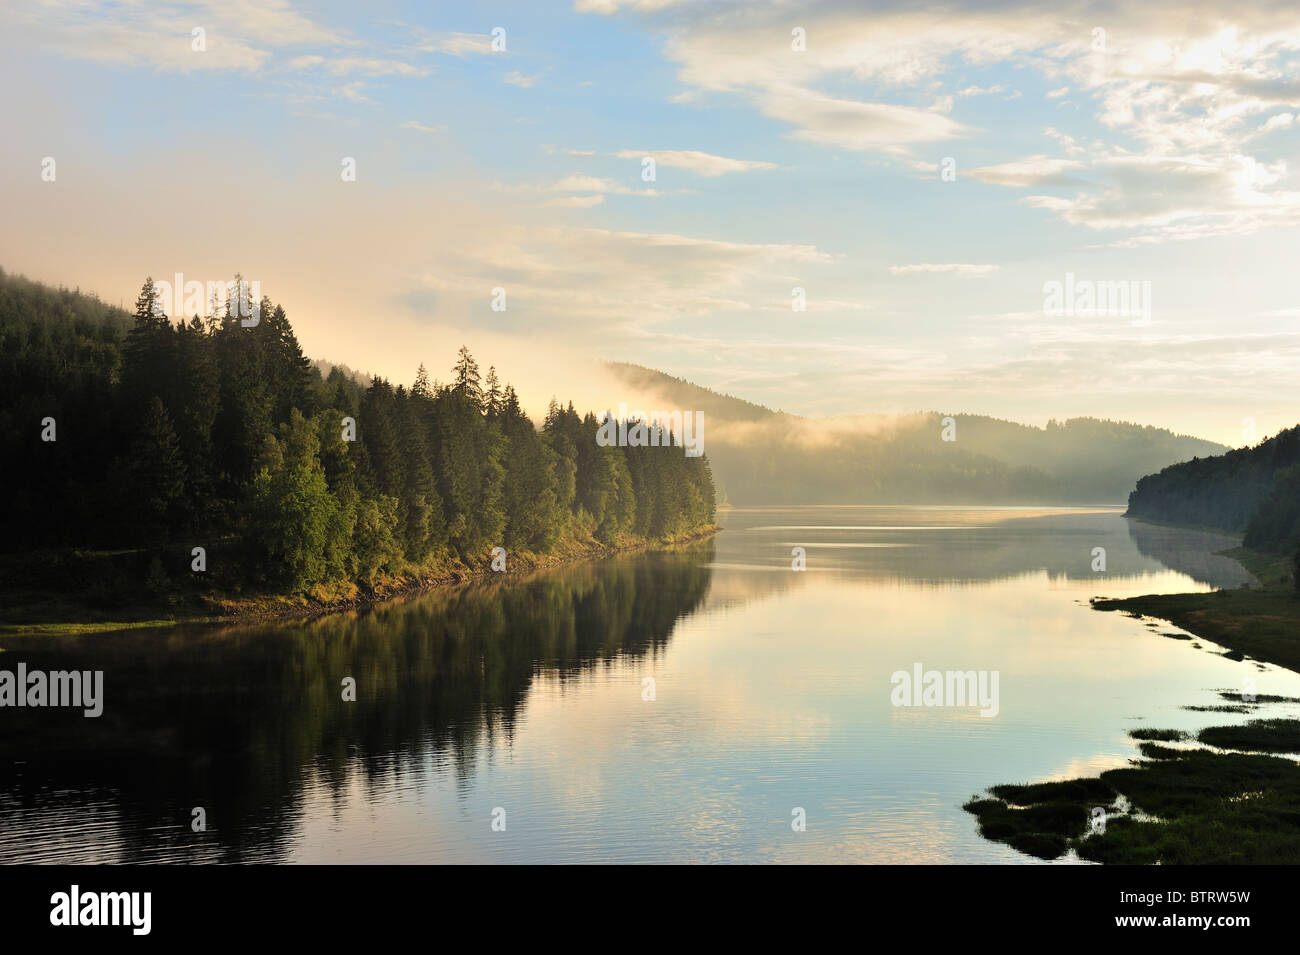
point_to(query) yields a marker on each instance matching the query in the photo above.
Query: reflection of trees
(1059, 544)
(231, 719)
(1192, 552)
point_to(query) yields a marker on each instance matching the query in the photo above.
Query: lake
(510, 720)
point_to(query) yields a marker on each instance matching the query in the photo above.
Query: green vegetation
(1178, 807)
(1259, 736)
(1166, 736)
(247, 720)
(1184, 806)
(1265, 624)
(1181, 806)
(1251, 490)
(209, 433)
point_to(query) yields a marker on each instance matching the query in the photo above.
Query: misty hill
(760, 456)
(1251, 490)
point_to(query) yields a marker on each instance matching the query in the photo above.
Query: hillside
(1251, 490)
(761, 456)
(215, 439)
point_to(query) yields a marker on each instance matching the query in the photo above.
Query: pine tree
(147, 367)
(157, 473)
(492, 397)
(422, 388)
(467, 382)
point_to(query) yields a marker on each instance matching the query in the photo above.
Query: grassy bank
(97, 591)
(1235, 802)
(1262, 622)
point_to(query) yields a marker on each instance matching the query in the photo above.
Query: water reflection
(229, 718)
(773, 693)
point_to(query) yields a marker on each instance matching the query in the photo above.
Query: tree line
(1250, 491)
(205, 429)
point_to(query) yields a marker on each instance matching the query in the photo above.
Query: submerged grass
(1188, 807)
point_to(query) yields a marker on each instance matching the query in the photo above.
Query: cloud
(239, 36)
(1186, 85)
(370, 66)
(421, 127)
(597, 184)
(703, 164)
(515, 78)
(1037, 170)
(954, 268)
(1179, 198)
(455, 44)
(576, 202)
(851, 124)
(581, 153)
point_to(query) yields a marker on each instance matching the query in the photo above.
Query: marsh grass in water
(1189, 806)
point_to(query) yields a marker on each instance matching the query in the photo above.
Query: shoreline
(1241, 790)
(224, 608)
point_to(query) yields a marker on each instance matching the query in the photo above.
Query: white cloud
(580, 183)
(950, 268)
(1037, 170)
(1179, 197)
(576, 202)
(240, 35)
(455, 44)
(704, 164)
(370, 66)
(851, 124)
(421, 127)
(515, 78)
(581, 153)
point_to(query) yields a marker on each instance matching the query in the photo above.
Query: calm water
(772, 692)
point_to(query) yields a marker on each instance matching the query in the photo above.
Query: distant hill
(1251, 490)
(684, 394)
(760, 456)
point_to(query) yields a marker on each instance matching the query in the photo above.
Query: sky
(923, 175)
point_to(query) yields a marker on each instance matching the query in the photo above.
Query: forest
(1251, 491)
(761, 456)
(134, 431)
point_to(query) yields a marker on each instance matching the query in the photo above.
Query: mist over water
(772, 692)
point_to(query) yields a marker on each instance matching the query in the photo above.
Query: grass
(1166, 736)
(1261, 623)
(1186, 806)
(1260, 736)
(1180, 807)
